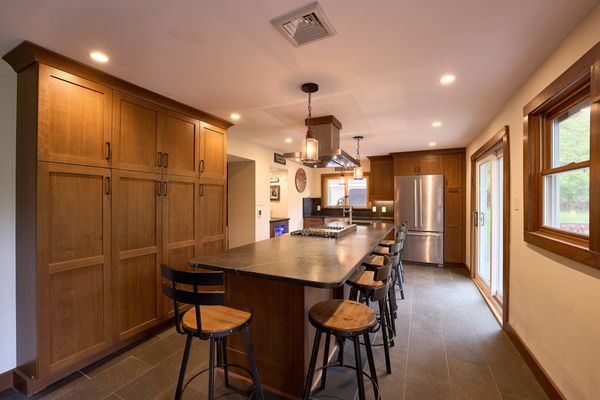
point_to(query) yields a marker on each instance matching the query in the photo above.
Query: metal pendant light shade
(358, 171)
(310, 145)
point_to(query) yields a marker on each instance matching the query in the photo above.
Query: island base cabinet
(281, 334)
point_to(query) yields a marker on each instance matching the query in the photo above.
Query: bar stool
(344, 319)
(366, 283)
(213, 321)
(395, 250)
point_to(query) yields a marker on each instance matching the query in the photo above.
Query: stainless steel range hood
(327, 131)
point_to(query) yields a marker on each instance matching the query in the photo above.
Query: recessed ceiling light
(98, 56)
(288, 140)
(235, 116)
(447, 79)
(432, 144)
(436, 124)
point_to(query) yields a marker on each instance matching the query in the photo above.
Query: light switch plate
(318, 208)
(374, 208)
(383, 209)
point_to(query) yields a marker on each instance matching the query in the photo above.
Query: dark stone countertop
(308, 261)
(355, 217)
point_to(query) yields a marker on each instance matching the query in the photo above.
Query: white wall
(264, 161)
(554, 302)
(8, 115)
(241, 187)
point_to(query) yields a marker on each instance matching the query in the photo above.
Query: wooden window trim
(325, 177)
(581, 80)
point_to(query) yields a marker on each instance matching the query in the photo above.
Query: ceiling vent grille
(304, 26)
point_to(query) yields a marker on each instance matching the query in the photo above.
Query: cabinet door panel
(74, 119)
(74, 234)
(381, 178)
(180, 145)
(212, 218)
(454, 225)
(137, 214)
(454, 167)
(430, 164)
(137, 134)
(404, 165)
(181, 226)
(213, 149)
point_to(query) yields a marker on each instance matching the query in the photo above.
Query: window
(566, 176)
(341, 191)
(561, 162)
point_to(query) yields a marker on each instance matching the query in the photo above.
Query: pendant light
(310, 145)
(358, 171)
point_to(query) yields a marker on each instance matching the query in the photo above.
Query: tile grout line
(408, 341)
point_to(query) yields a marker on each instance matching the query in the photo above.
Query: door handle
(158, 191)
(481, 219)
(107, 188)
(415, 200)
(201, 165)
(201, 190)
(420, 203)
(166, 160)
(160, 157)
(108, 152)
(164, 192)
(475, 218)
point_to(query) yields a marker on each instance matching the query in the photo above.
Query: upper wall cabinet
(381, 185)
(213, 152)
(181, 145)
(74, 119)
(137, 134)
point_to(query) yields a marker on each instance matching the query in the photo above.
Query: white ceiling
(379, 75)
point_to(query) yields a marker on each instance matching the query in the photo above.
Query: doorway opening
(241, 200)
(490, 217)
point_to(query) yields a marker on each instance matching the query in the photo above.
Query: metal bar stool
(366, 283)
(213, 321)
(344, 319)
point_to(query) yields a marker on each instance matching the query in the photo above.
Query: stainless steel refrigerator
(419, 201)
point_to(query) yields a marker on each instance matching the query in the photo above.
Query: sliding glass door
(488, 225)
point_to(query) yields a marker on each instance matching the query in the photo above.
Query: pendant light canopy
(358, 171)
(310, 145)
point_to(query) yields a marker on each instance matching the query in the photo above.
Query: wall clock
(300, 180)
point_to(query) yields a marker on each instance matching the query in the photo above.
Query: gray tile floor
(448, 346)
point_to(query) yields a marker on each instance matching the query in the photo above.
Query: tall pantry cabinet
(112, 181)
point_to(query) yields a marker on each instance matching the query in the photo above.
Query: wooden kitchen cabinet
(74, 315)
(137, 240)
(181, 225)
(98, 210)
(137, 134)
(213, 201)
(74, 119)
(213, 152)
(381, 178)
(181, 146)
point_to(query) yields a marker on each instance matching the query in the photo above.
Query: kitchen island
(281, 278)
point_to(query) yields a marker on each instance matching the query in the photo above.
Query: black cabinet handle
(201, 165)
(108, 152)
(201, 190)
(160, 157)
(164, 189)
(107, 188)
(166, 160)
(158, 188)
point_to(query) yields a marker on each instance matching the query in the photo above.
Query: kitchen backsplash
(309, 205)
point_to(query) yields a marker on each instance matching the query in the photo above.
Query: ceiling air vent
(305, 25)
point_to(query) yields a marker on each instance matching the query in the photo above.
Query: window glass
(571, 135)
(567, 201)
(357, 192)
(335, 191)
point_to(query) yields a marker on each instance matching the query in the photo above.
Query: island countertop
(308, 261)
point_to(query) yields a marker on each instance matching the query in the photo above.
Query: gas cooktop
(331, 231)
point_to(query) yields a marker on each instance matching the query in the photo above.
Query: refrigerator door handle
(434, 234)
(420, 203)
(416, 201)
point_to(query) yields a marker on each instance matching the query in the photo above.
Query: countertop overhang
(308, 261)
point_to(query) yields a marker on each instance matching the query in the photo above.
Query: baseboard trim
(538, 371)
(6, 380)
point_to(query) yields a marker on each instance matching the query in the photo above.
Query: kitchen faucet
(341, 201)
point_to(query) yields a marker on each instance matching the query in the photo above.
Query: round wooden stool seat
(216, 319)
(344, 317)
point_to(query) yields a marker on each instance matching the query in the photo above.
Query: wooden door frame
(500, 138)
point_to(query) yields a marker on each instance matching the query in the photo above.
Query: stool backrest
(382, 274)
(194, 293)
